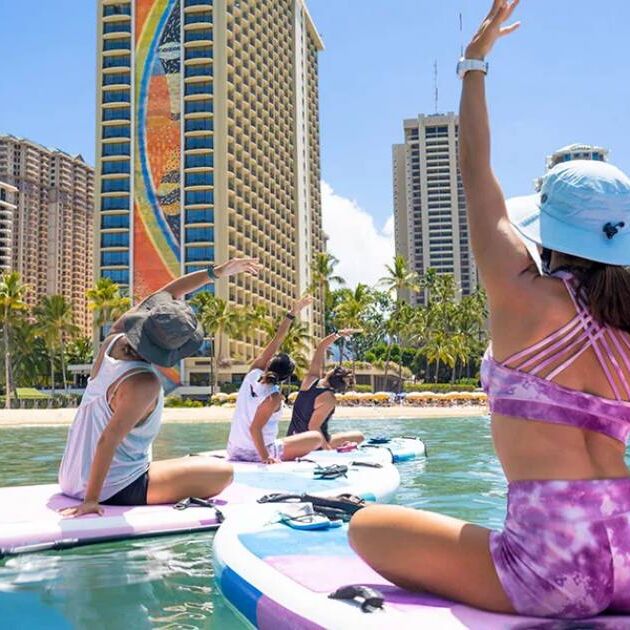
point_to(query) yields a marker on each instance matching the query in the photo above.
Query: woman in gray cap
(108, 454)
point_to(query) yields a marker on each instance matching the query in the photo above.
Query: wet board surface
(278, 577)
(29, 518)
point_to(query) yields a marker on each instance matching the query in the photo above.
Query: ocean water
(168, 582)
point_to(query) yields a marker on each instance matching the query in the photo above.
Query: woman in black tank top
(315, 403)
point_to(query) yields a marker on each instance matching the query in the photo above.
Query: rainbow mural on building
(158, 148)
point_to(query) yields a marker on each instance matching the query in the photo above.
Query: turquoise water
(167, 582)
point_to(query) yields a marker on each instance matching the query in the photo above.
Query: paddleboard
(30, 519)
(278, 578)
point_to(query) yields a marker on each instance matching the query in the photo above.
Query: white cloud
(363, 249)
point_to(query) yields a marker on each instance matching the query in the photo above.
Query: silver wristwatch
(468, 65)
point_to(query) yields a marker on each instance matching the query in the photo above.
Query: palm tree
(12, 293)
(323, 274)
(351, 312)
(80, 351)
(298, 344)
(30, 359)
(55, 323)
(106, 302)
(400, 278)
(438, 349)
(218, 319)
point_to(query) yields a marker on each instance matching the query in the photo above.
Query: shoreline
(222, 415)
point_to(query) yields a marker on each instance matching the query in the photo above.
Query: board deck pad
(278, 577)
(30, 520)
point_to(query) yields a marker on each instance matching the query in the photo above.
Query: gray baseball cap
(163, 330)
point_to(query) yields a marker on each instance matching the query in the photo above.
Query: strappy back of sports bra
(523, 384)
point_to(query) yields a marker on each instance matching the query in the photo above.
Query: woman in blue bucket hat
(558, 382)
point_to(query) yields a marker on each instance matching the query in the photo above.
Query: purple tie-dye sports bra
(522, 386)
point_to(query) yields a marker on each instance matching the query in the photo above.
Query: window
(199, 235)
(117, 166)
(116, 148)
(204, 105)
(121, 276)
(195, 3)
(116, 79)
(115, 239)
(114, 258)
(115, 185)
(115, 203)
(117, 27)
(199, 197)
(196, 18)
(117, 113)
(197, 35)
(199, 52)
(199, 179)
(199, 253)
(117, 44)
(116, 96)
(117, 131)
(118, 61)
(195, 161)
(202, 87)
(199, 70)
(199, 124)
(199, 142)
(199, 216)
(117, 9)
(114, 221)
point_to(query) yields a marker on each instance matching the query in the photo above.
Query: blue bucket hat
(582, 209)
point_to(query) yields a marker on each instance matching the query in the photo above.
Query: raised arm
(190, 282)
(499, 252)
(316, 369)
(274, 345)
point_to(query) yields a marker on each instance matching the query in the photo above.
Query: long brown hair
(605, 290)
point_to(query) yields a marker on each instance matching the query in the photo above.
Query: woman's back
(547, 344)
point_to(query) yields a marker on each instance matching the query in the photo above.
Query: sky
(562, 78)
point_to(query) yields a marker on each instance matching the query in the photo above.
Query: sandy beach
(62, 417)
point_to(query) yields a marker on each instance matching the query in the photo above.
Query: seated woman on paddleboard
(558, 382)
(315, 403)
(254, 431)
(107, 459)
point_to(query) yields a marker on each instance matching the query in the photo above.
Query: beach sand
(63, 417)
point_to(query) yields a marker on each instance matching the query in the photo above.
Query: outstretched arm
(499, 252)
(316, 369)
(190, 282)
(274, 345)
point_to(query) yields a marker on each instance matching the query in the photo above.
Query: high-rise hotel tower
(429, 204)
(208, 148)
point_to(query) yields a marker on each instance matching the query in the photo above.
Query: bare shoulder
(141, 385)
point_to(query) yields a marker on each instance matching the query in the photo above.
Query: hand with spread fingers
(492, 29)
(301, 303)
(87, 507)
(348, 332)
(238, 265)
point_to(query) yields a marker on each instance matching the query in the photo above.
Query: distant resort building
(431, 228)
(208, 148)
(52, 224)
(8, 206)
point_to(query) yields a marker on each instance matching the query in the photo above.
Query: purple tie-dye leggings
(565, 549)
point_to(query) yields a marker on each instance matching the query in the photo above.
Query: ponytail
(605, 290)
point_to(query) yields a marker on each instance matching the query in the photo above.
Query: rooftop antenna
(461, 31)
(435, 84)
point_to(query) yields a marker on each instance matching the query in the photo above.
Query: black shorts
(134, 494)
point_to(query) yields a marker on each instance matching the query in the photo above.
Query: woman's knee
(314, 438)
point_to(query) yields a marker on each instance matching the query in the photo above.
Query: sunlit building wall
(208, 148)
(52, 231)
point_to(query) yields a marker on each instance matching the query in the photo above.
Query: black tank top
(303, 410)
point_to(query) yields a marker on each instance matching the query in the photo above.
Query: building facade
(429, 203)
(208, 148)
(8, 198)
(52, 233)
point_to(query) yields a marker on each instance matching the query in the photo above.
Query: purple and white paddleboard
(279, 578)
(30, 521)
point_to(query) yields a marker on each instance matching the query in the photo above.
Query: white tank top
(250, 395)
(131, 457)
